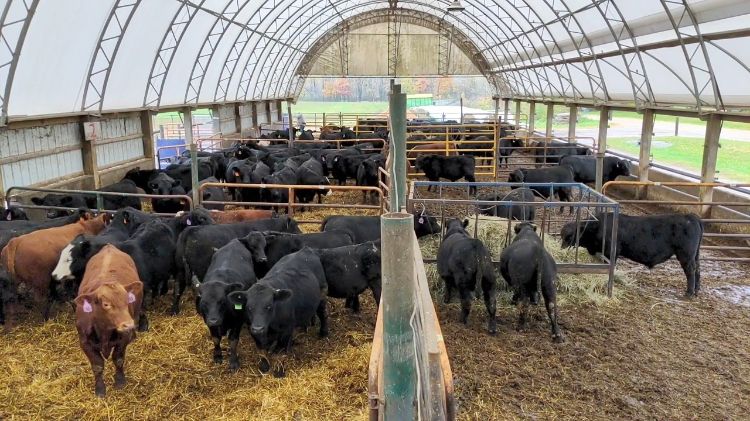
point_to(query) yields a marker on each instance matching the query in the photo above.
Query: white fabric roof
(91, 56)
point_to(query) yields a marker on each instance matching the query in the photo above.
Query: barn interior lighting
(456, 6)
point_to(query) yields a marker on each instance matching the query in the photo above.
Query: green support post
(398, 301)
(397, 109)
(187, 121)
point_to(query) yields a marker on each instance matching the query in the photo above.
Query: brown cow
(108, 303)
(30, 259)
(239, 215)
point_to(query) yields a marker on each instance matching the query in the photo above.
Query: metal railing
(733, 222)
(590, 206)
(99, 195)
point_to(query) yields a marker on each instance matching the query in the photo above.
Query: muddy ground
(648, 355)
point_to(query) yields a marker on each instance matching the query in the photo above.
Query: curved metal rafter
(106, 51)
(10, 51)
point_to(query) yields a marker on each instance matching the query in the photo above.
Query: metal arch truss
(106, 50)
(445, 41)
(14, 24)
(696, 55)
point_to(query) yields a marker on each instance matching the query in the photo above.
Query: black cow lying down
(453, 168)
(367, 228)
(648, 240)
(528, 268)
(464, 263)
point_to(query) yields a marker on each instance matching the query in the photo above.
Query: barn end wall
(55, 153)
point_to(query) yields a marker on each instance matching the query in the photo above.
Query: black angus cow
(546, 175)
(88, 201)
(464, 263)
(350, 270)
(529, 269)
(584, 168)
(231, 269)
(183, 173)
(367, 228)
(212, 193)
(239, 172)
(310, 173)
(289, 296)
(345, 167)
(163, 184)
(368, 175)
(279, 244)
(141, 177)
(287, 175)
(507, 146)
(453, 168)
(12, 214)
(648, 240)
(556, 150)
(196, 246)
(508, 211)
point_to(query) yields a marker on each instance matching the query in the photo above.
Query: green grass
(594, 115)
(687, 153)
(337, 107)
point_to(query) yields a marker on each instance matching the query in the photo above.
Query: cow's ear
(533, 226)
(107, 218)
(517, 228)
(466, 223)
(135, 287)
(176, 183)
(282, 294)
(87, 302)
(37, 201)
(237, 299)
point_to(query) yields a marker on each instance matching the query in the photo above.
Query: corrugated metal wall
(37, 155)
(120, 141)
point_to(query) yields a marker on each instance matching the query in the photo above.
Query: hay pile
(45, 375)
(577, 288)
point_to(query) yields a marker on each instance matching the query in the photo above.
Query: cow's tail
(8, 257)
(480, 255)
(539, 267)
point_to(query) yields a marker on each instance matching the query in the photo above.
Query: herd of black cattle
(255, 268)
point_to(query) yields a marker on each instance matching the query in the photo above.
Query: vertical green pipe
(399, 359)
(188, 123)
(397, 109)
(602, 146)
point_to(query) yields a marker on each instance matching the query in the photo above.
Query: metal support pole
(237, 119)
(254, 117)
(147, 131)
(677, 126)
(398, 300)
(506, 109)
(710, 155)
(532, 116)
(280, 111)
(397, 112)
(462, 109)
(518, 113)
(550, 117)
(572, 122)
(644, 157)
(602, 146)
(291, 130)
(187, 118)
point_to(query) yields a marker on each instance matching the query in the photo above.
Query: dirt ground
(649, 355)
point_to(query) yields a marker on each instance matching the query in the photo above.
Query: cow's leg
(470, 178)
(448, 290)
(179, 289)
(490, 303)
(697, 272)
(376, 291)
(523, 312)
(323, 316)
(355, 303)
(49, 299)
(143, 321)
(9, 299)
(216, 339)
(97, 367)
(118, 357)
(466, 298)
(234, 339)
(550, 301)
(690, 269)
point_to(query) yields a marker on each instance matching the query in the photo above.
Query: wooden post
(398, 297)
(550, 117)
(187, 118)
(710, 155)
(572, 122)
(602, 146)
(397, 112)
(644, 156)
(88, 155)
(518, 113)
(532, 116)
(147, 129)
(291, 126)
(237, 119)
(269, 116)
(506, 108)
(279, 111)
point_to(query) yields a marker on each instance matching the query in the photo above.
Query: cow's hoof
(234, 366)
(690, 295)
(558, 339)
(264, 366)
(279, 372)
(143, 326)
(101, 391)
(120, 381)
(175, 311)
(323, 333)
(218, 359)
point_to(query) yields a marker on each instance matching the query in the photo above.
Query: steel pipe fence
(100, 195)
(452, 200)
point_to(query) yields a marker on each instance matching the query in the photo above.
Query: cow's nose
(263, 259)
(212, 322)
(257, 330)
(125, 326)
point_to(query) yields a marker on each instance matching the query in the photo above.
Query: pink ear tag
(87, 306)
(9, 217)
(188, 222)
(131, 298)
(421, 220)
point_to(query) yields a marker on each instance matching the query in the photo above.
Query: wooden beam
(256, 128)
(644, 158)
(710, 155)
(237, 118)
(147, 132)
(550, 118)
(518, 113)
(532, 116)
(279, 111)
(88, 156)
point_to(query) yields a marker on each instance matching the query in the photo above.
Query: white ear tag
(188, 222)
(8, 217)
(87, 306)
(131, 298)
(421, 220)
